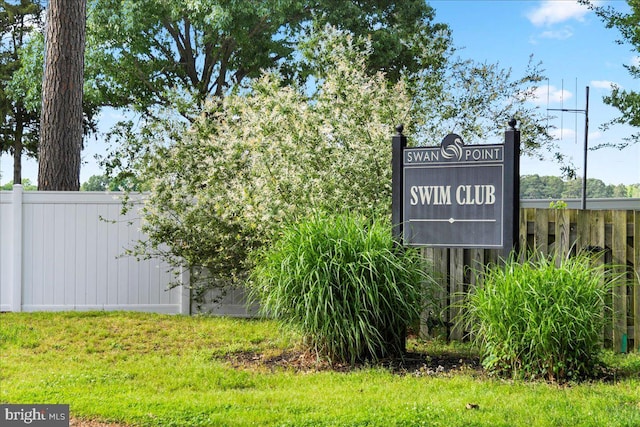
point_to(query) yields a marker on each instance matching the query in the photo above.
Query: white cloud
(113, 115)
(564, 134)
(635, 61)
(595, 135)
(550, 94)
(562, 34)
(602, 84)
(554, 11)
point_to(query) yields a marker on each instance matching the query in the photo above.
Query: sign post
(457, 195)
(398, 144)
(512, 187)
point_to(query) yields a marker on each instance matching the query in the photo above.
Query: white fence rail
(57, 252)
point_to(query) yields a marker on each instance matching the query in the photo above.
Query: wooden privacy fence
(558, 233)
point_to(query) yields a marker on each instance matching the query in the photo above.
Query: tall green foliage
(536, 320)
(343, 282)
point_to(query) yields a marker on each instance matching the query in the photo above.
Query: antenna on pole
(562, 109)
(586, 142)
(548, 89)
(575, 117)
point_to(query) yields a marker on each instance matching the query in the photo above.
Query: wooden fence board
(522, 238)
(619, 262)
(596, 229)
(541, 232)
(582, 229)
(562, 232)
(476, 264)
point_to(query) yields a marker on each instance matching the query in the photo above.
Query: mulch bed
(418, 364)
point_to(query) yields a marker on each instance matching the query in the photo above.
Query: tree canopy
(154, 56)
(159, 53)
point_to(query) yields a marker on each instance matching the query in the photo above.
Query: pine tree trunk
(18, 147)
(61, 118)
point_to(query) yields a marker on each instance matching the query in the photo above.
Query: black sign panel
(456, 195)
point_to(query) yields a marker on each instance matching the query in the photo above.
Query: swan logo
(451, 147)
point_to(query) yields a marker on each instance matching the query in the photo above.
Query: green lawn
(158, 370)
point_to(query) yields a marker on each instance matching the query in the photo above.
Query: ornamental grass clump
(343, 283)
(536, 320)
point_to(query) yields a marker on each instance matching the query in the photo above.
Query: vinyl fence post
(185, 290)
(16, 264)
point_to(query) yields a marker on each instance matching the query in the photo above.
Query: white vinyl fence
(63, 251)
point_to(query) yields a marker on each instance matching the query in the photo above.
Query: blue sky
(575, 49)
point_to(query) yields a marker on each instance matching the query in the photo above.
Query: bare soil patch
(76, 422)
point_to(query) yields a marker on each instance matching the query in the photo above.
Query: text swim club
(482, 194)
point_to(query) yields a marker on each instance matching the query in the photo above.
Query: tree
(541, 187)
(26, 185)
(633, 190)
(619, 191)
(258, 158)
(19, 129)
(531, 187)
(24, 87)
(626, 101)
(95, 183)
(106, 183)
(61, 118)
(596, 189)
(553, 187)
(177, 54)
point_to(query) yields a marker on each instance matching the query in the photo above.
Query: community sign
(457, 195)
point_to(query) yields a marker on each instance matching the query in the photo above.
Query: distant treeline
(553, 187)
(531, 187)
